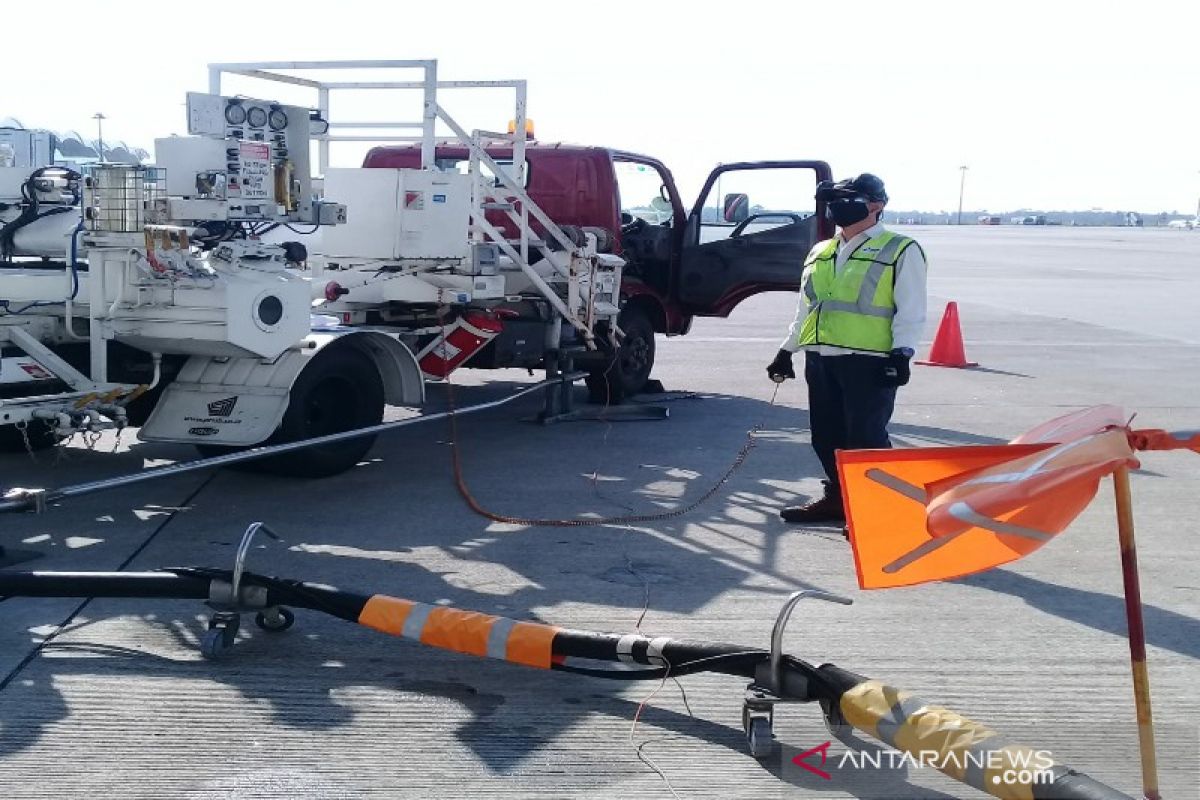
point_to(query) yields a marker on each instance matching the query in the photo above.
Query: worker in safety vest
(860, 316)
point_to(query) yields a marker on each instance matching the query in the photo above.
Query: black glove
(896, 369)
(781, 368)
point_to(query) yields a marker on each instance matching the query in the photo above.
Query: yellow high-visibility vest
(853, 309)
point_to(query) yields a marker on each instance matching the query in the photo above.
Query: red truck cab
(682, 262)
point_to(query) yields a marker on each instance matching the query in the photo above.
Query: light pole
(962, 182)
(100, 132)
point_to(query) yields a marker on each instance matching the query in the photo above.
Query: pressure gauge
(235, 113)
(256, 116)
(278, 119)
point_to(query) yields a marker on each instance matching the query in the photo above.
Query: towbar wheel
(767, 690)
(231, 599)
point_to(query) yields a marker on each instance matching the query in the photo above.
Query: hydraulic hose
(959, 747)
(18, 500)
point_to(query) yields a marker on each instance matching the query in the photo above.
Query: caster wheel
(760, 738)
(275, 620)
(219, 637)
(212, 643)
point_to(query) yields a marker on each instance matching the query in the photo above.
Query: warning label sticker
(255, 158)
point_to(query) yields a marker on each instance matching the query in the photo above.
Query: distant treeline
(1100, 218)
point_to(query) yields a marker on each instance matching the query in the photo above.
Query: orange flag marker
(936, 513)
(886, 492)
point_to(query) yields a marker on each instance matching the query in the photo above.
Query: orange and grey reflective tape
(470, 632)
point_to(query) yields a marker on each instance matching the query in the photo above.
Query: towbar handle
(239, 563)
(781, 622)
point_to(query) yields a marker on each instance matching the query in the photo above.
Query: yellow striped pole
(1137, 634)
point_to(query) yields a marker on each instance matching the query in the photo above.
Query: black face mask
(846, 211)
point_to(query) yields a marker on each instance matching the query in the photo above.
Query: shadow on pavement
(501, 737)
(396, 525)
(1103, 612)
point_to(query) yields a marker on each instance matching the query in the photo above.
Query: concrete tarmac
(119, 703)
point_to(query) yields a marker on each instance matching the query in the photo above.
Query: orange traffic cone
(947, 349)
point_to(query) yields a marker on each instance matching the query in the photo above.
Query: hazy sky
(1051, 104)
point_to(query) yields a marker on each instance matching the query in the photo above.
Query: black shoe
(826, 510)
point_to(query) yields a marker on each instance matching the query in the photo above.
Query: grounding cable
(625, 519)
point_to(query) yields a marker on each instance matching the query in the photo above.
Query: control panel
(244, 159)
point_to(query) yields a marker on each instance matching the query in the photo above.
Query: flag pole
(1137, 634)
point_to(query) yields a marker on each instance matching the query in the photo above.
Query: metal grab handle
(781, 622)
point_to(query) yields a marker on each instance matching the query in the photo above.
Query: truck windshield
(641, 190)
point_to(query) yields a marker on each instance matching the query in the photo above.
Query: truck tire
(626, 372)
(340, 390)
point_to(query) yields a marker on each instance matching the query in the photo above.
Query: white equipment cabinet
(402, 215)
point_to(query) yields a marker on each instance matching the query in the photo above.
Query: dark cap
(865, 185)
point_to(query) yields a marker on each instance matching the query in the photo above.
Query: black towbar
(849, 701)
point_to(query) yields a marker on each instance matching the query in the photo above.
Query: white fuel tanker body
(139, 295)
(180, 297)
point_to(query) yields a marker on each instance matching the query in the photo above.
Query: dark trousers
(849, 408)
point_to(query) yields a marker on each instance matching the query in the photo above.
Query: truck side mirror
(736, 207)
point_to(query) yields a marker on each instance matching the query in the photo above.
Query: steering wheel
(741, 226)
(633, 226)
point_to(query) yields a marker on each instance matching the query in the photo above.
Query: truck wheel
(626, 373)
(340, 390)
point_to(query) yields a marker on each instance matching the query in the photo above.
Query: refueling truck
(232, 295)
(680, 263)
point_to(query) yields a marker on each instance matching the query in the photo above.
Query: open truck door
(749, 232)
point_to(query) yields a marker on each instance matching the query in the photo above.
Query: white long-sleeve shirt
(908, 291)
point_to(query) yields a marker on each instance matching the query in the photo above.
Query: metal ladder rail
(577, 294)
